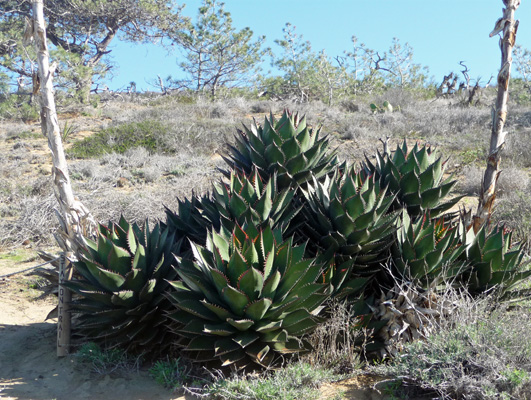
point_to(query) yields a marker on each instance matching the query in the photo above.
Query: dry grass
(334, 341)
(138, 182)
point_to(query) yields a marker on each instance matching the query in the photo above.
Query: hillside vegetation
(140, 155)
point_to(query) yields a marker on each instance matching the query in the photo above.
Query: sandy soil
(29, 367)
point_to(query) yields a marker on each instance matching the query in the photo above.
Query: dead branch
(509, 27)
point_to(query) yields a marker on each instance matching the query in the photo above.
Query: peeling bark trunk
(75, 220)
(508, 26)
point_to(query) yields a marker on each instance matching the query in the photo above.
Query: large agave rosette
(287, 147)
(247, 298)
(347, 216)
(416, 177)
(121, 290)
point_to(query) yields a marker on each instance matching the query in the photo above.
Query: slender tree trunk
(75, 220)
(508, 26)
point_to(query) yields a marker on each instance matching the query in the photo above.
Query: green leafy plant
(67, 131)
(247, 297)
(287, 147)
(494, 261)
(416, 176)
(386, 107)
(347, 216)
(122, 286)
(171, 373)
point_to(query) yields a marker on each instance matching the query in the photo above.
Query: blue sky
(442, 33)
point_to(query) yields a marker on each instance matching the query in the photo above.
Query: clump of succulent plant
(494, 261)
(124, 276)
(416, 177)
(287, 147)
(188, 220)
(427, 250)
(247, 298)
(250, 199)
(348, 215)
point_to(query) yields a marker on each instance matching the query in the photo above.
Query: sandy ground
(29, 367)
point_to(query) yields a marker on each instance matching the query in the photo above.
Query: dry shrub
(512, 180)
(470, 182)
(146, 193)
(398, 97)
(263, 107)
(481, 351)
(514, 211)
(34, 220)
(519, 147)
(334, 342)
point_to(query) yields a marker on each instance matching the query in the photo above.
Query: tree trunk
(508, 26)
(83, 86)
(78, 221)
(75, 220)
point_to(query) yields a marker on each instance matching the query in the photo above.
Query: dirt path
(29, 367)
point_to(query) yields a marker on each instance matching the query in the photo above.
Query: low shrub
(294, 382)
(482, 351)
(147, 134)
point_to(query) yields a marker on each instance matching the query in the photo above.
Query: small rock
(46, 170)
(122, 182)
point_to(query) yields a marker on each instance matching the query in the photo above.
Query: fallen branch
(29, 269)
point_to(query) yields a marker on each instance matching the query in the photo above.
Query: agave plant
(427, 250)
(347, 215)
(494, 261)
(249, 199)
(247, 297)
(188, 221)
(416, 176)
(287, 147)
(124, 275)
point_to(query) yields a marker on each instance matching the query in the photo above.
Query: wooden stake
(63, 308)
(508, 26)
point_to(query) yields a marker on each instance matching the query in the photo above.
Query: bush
(147, 134)
(480, 352)
(295, 382)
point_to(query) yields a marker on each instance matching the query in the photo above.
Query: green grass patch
(18, 256)
(25, 135)
(173, 373)
(104, 361)
(118, 139)
(472, 155)
(295, 382)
